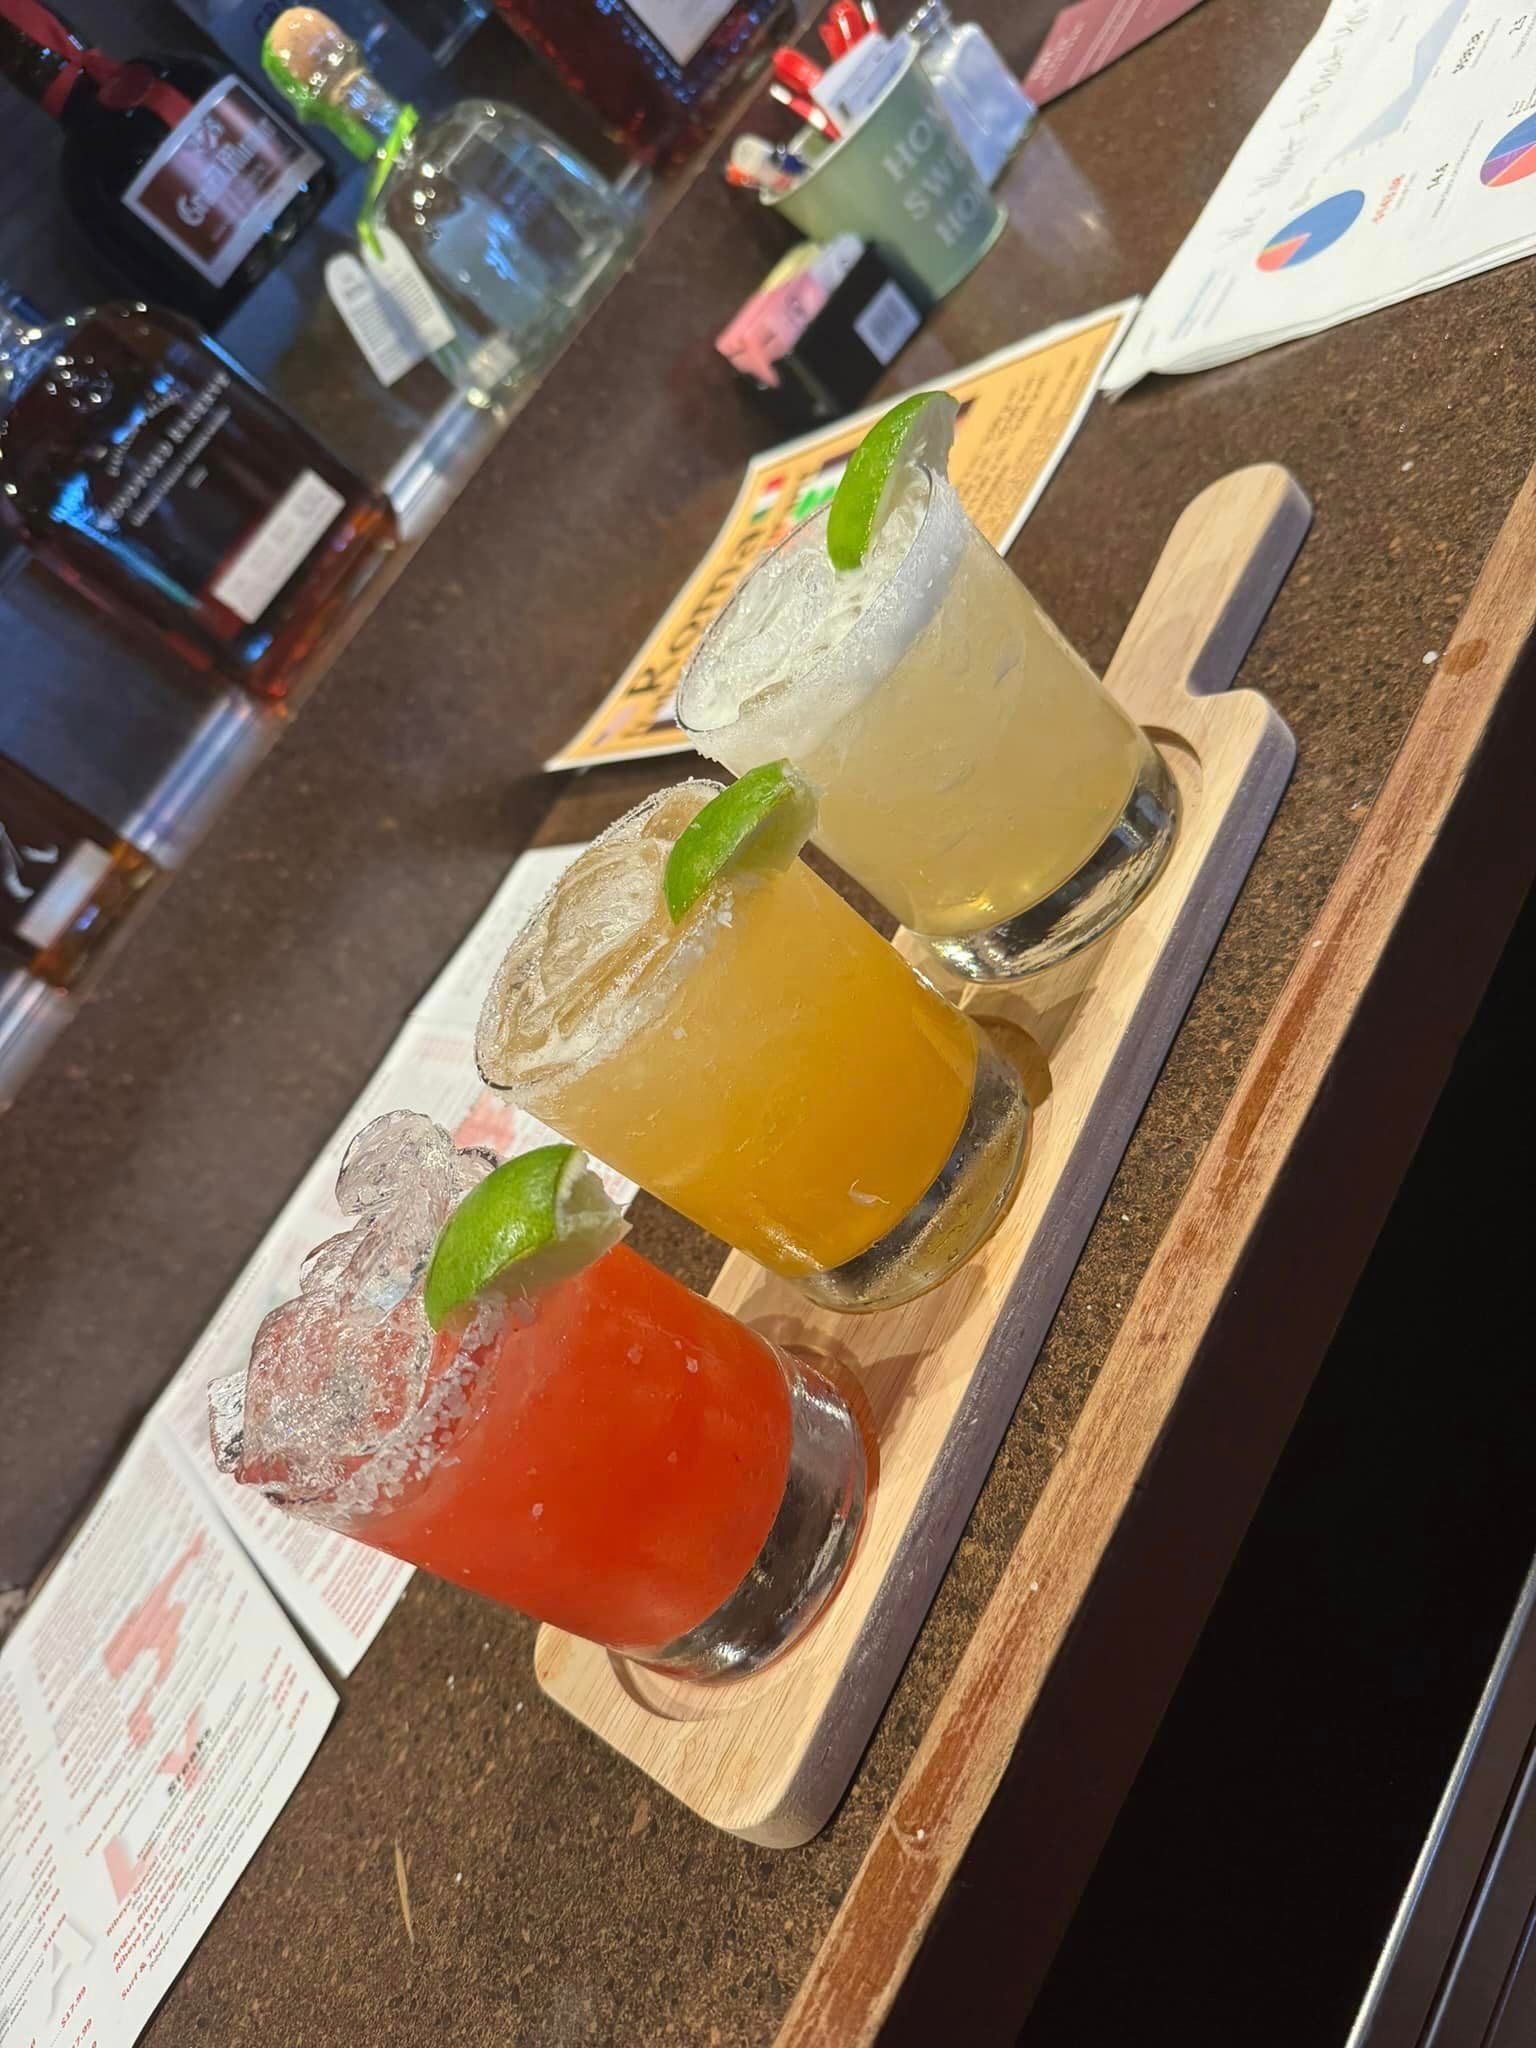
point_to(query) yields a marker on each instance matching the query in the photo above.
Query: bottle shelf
(109, 720)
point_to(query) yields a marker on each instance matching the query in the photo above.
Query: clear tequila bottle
(508, 227)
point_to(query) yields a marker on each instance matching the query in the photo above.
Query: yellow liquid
(771, 1067)
(967, 762)
(800, 1091)
(986, 768)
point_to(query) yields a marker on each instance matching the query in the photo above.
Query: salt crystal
(692, 1364)
(537, 1509)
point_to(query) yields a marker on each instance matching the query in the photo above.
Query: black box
(845, 350)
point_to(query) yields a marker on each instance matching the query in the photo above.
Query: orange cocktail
(770, 1066)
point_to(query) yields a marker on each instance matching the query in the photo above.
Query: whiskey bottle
(662, 74)
(67, 880)
(184, 179)
(142, 466)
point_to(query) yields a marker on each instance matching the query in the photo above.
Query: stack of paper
(1399, 155)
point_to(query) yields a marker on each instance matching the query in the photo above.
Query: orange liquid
(620, 1464)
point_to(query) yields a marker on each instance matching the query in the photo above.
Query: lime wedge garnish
(756, 826)
(919, 430)
(537, 1219)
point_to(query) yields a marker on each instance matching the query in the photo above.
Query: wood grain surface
(860, 1967)
(937, 1379)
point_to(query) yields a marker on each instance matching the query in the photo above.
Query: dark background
(1254, 1872)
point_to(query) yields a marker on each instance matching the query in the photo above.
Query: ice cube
(226, 1419)
(337, 1372)
(384, 1155)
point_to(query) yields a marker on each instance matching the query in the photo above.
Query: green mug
(903, 182)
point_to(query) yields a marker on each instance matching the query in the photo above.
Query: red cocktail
(619, 1465)
(606, 1452)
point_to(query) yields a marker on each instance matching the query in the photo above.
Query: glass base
(958, 1212)
(806, 1551)
(1123, 866)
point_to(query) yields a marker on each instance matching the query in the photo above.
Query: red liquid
(620, 1465)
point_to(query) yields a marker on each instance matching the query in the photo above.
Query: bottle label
(282, 541)
(380, 328)
(390, 310)
(46, 876)
(682, 27)
(184, 479)
(220, 178)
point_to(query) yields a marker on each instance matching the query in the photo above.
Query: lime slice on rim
(757, 826)
(919, 430)
(537, 1219)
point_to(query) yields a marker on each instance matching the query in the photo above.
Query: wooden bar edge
(857, 1972)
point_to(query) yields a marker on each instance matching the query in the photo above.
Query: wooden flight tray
(936, 1381)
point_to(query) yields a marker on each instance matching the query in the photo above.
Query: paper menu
(156, 1711)
(341, 1592)
(1393, 160)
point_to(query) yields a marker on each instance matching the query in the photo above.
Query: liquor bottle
(661, 73)
(66, 879)
(183, 178)
(507, 227)
(143, 467)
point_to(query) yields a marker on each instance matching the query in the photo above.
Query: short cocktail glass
(613, 1455)
(770, 1066)
(970, 769)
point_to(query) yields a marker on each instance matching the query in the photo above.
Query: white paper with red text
(156, 1711)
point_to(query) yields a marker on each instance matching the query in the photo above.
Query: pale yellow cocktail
(770, 1066)
(970, 769)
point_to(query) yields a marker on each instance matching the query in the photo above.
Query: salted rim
(511, 971)
(884, 610)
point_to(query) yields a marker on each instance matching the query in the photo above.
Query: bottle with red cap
(183, 177)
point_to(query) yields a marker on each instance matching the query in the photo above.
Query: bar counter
(556, 1895)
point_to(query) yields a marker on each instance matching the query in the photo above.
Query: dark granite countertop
(557, 1897)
